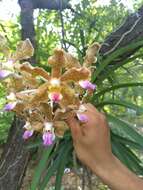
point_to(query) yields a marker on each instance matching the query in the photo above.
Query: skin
(93, 147)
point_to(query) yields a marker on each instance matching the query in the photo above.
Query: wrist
(106, 167)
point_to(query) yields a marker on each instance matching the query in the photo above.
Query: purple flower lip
(10, 106)
(27, 134)
(47, 138)
(87, 85)
(4, 74)
(82, 117)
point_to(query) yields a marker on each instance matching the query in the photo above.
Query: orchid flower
(10, 106)
(80, 114)
(9, 64)
(11, 97)
(28, 132)
(82, 117)
(47, 138)
(87, 85)
(4, 74)
(55, 97)
(48, 134)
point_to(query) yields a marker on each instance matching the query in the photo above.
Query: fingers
(91, 108)
(75, 128)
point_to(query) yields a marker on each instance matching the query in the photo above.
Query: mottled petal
(82, 117)
(55, 97)
(47, 138)
(4, 74)
(55, 82)
(87, 85)
(10, 106)
(27, 134)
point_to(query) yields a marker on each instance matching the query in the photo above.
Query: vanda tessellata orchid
(45, 100)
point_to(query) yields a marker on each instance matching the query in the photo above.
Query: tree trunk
(14, 158)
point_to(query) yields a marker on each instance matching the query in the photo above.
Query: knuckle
(103, 117)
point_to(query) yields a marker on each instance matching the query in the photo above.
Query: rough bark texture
(14, 158)
(130, 31)
(51, 4)
(27, 23)
(26, 20)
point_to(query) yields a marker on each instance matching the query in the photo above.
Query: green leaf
(117, 151)
(60, 169)
(40, 168)
(126, 141)
(115, 55)
(115, 87)
(138, 109)
(126, 129)
(110, 70)
(55, 165)
(127, 156)
(34, 145)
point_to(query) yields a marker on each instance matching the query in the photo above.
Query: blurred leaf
(65, 150)
(129, 105)
(125, 128)
(116, 87)
(40, 167)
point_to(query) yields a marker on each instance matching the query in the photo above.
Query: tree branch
(48, 4)
(130, 31)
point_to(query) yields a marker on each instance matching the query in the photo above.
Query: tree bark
(130, 31)
(51, 4)
(14, 158)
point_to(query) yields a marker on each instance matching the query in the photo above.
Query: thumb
(75, 128)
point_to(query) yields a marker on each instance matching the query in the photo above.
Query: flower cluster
(45, 100)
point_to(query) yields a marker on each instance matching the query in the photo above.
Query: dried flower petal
(27, 134)
(91, 54)
(87, 85)
(24, 50)
(76, 74)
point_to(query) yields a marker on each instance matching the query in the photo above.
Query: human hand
(92, 139)
(92, 145)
